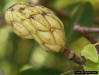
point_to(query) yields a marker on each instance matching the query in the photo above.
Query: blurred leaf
(19, 49)
(41, 58)
(90, 53)
(77, 45)
(38, 53)
(8, 68)
(42, 71)
(2, 4)
(52, 1)
(91, 66)
(64, 3)
(73, 7)
(23, 51)
(95, 4)
(84, 17)
(4, 35)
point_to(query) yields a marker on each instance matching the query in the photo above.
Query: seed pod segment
(39, 23)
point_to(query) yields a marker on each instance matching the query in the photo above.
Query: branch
(40, 2)
(85, 29)
(72, 56)
(84, 32)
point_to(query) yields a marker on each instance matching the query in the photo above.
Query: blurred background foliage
(26, 57)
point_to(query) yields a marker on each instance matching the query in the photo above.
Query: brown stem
(85, 29)
(72, 56)
(40, 2)
(84, 32)
(89, 37)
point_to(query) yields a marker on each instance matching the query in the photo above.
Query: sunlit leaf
(90, 53)
(91, 66)
(77, 45)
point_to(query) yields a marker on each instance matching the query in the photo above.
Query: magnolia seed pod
(39, 23)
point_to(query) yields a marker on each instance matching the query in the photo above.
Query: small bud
(39, 23)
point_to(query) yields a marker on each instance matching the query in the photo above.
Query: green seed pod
(39, 23)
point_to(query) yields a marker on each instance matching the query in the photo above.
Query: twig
(85, 29)
(40, 2)
(84, 32)
(72, 56)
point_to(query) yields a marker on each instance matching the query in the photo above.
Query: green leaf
(83, 17)
(2, 4)
(91, 66)
(42, 71)
(63, 3)
(77, 46)
(90, 53)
